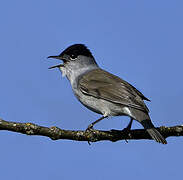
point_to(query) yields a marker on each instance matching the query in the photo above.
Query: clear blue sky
(140, 41)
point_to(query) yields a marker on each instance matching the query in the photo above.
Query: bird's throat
(74, 74)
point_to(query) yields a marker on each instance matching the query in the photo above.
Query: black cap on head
(77, 49)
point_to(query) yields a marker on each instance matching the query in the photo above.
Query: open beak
(55, 57)
(59, 65)
(56, 66)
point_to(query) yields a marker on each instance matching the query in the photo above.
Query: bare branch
(56, 133)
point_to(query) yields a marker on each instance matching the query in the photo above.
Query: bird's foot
(127, 132)
(89, 128)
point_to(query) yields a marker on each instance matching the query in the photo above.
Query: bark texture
(56, 133)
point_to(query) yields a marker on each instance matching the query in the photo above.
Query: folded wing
(103, 85)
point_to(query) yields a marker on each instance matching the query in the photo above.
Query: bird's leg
(128, 128)
(90, 127)
(125, 130)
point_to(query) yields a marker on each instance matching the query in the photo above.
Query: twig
(56, 133)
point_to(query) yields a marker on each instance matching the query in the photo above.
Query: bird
(103, 92)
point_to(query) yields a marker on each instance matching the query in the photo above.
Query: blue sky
(140, 41)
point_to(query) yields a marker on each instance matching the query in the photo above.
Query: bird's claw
(125, 130)
(90, 127)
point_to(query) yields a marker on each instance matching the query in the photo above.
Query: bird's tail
(156, 136)
(154, 133)
(145, 120)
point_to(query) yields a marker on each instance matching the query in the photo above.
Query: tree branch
(56, 133)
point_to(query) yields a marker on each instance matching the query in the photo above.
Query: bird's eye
(73, 56)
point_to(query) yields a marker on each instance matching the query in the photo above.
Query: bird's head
(76, 56)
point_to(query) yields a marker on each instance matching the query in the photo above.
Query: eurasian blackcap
(103, 92)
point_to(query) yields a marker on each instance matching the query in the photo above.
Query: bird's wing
(103, 85)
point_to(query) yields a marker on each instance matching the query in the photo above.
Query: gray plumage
(103, 92)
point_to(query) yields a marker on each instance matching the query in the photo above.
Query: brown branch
(56, 133)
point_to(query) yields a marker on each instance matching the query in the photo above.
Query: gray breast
(90, 102)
